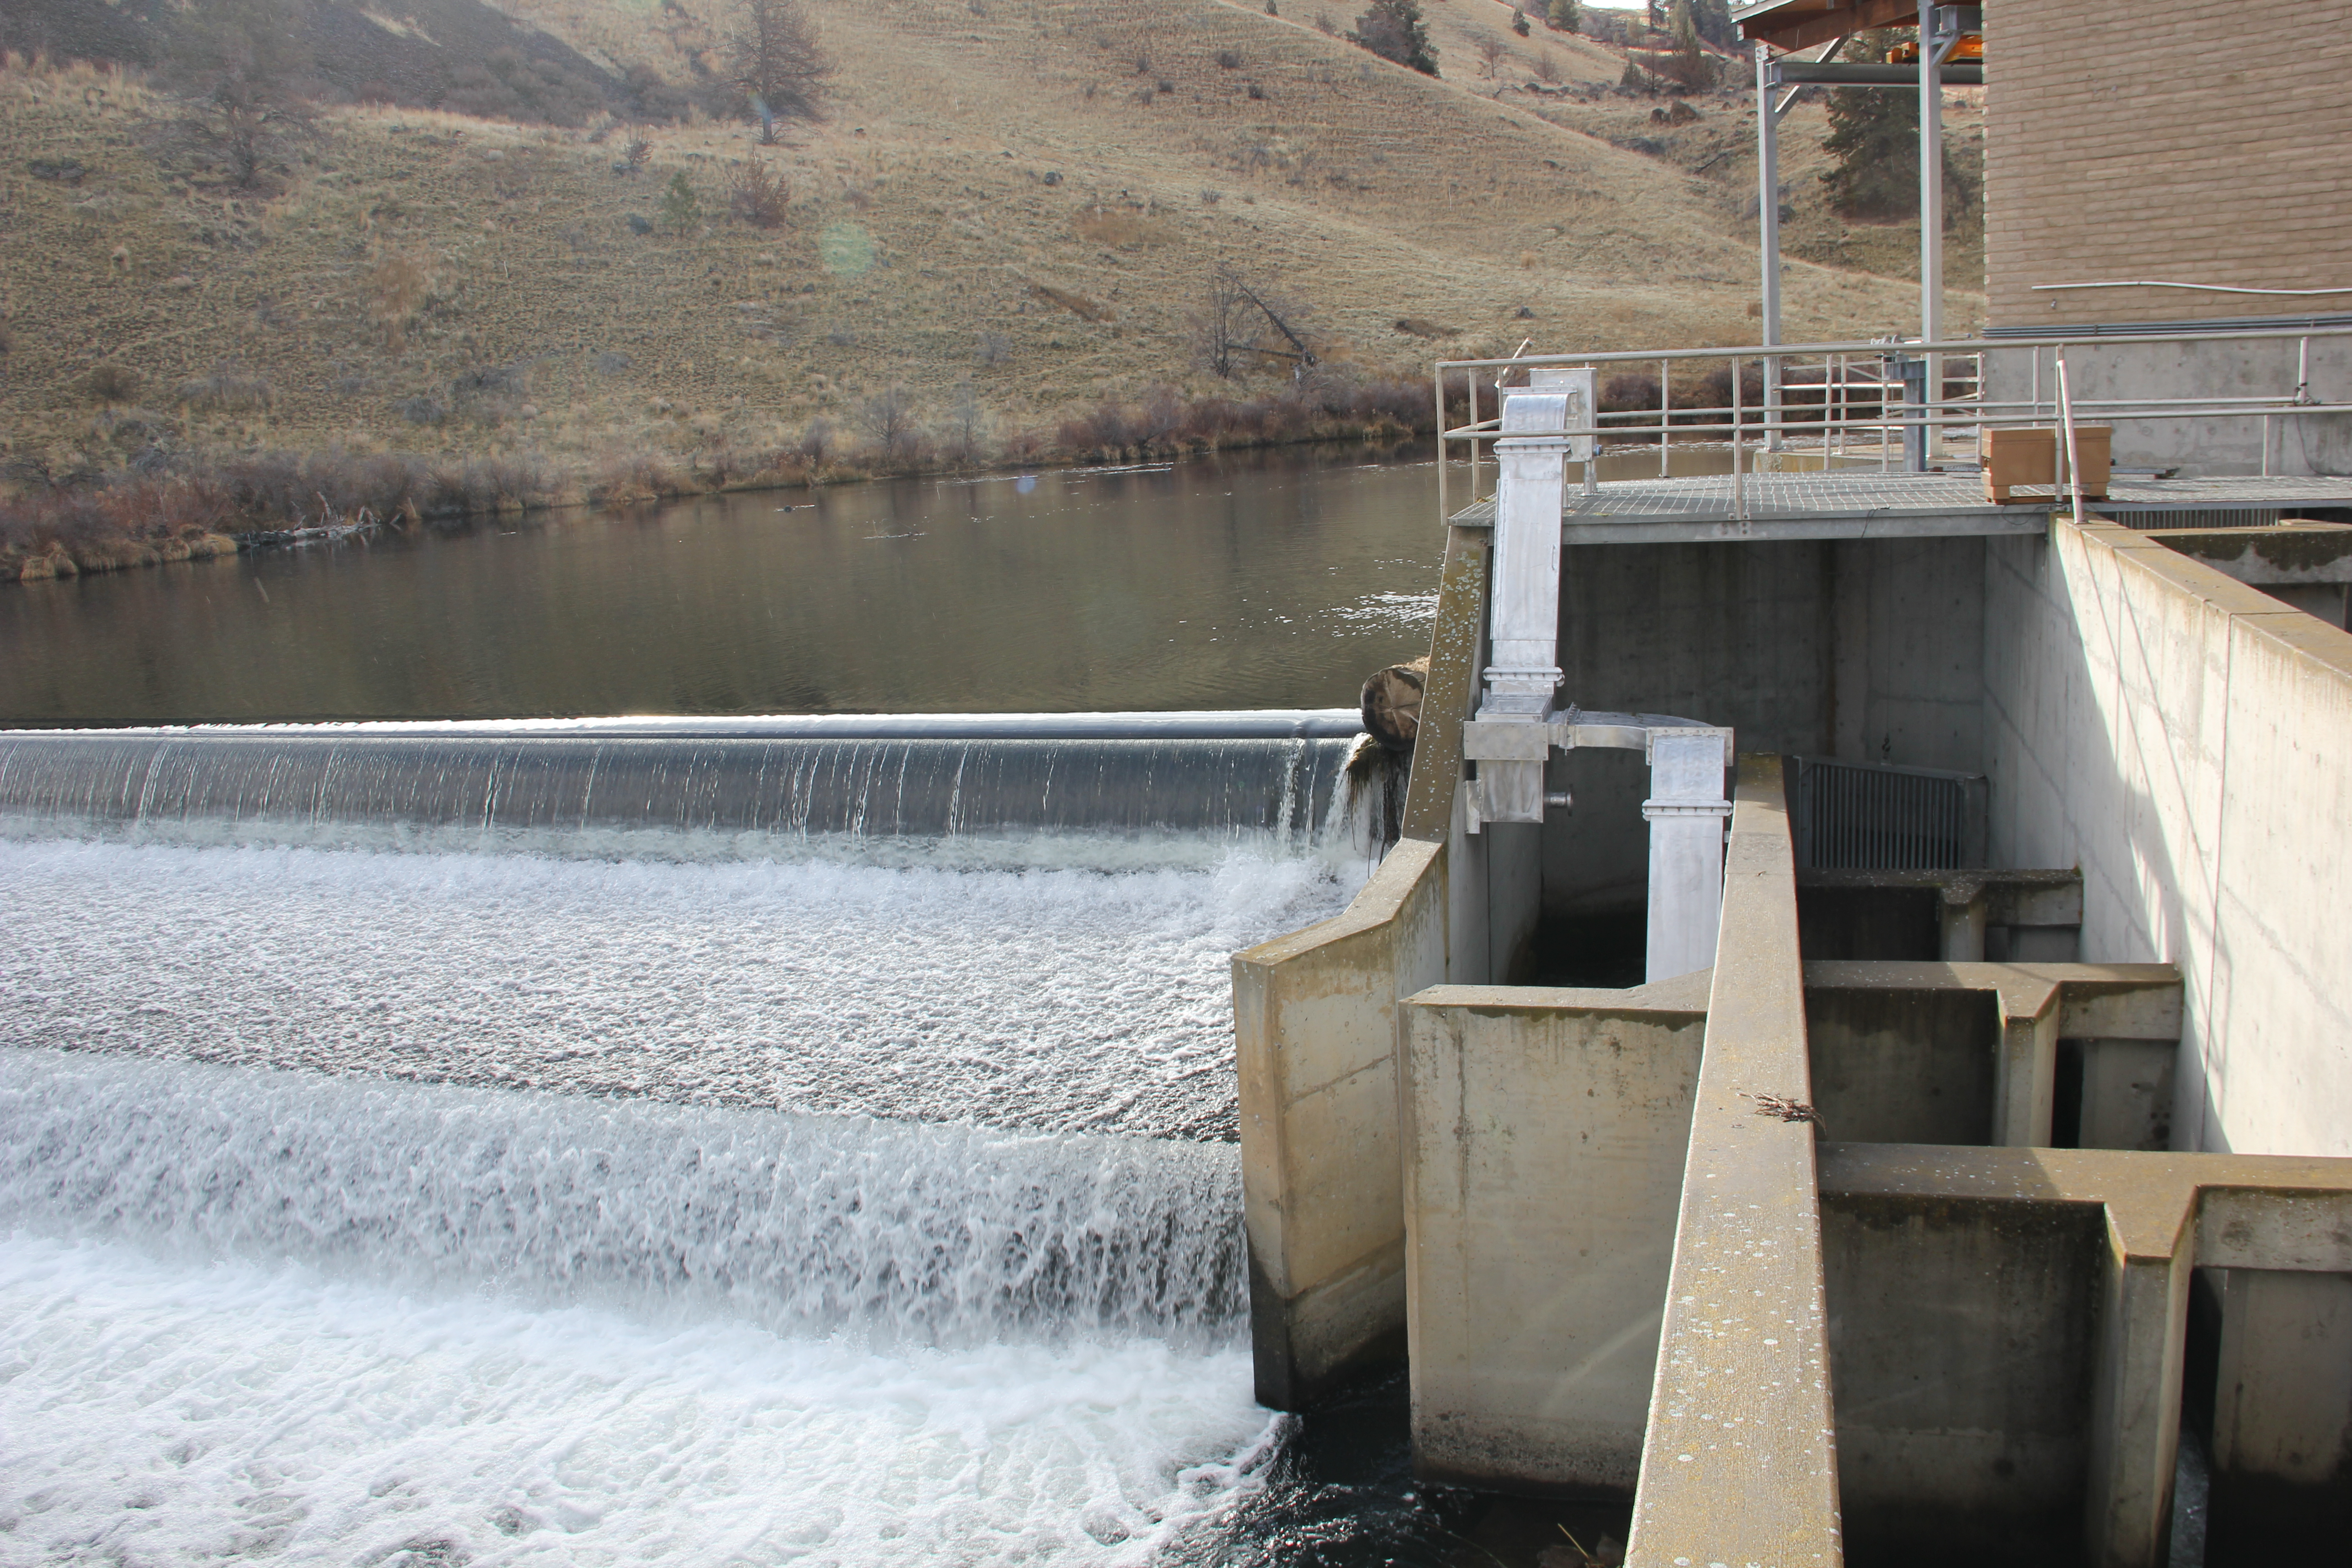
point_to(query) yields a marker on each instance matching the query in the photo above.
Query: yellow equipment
(1970, 47)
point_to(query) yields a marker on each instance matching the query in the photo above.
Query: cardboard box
(2028, 459)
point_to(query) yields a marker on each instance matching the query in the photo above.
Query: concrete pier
(1741, 1406)
(1545, 1135)
(1318, 1022)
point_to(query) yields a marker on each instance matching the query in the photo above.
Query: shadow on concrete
(1604, 951)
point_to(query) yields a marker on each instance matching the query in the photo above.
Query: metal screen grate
(1866, 816)
(2196, 517)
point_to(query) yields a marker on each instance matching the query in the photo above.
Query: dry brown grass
(984, 204)
(1121, 227)
(1077, 305)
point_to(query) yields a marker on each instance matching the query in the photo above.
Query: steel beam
(1963, 73)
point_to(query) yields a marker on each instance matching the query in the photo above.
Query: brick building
(2207, 145)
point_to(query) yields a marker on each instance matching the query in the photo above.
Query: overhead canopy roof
(1801, 23)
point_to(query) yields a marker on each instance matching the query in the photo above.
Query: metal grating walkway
(1869, 505)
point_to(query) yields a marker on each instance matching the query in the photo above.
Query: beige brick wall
(2197, 144)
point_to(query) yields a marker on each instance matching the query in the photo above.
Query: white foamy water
(248, 1313)
(157, 1412)
(945, 1235)
(387, 1196)
(1054, 998)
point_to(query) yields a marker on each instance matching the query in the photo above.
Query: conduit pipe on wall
(1517, 728)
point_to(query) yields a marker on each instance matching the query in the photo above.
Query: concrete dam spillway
(642, 1140)
(916, 776)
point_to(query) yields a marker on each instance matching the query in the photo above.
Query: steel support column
(1768, 112)
(1767, 229)
(1939, 29)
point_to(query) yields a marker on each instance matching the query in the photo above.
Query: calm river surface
(1258, 579)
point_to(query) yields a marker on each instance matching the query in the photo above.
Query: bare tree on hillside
(1241, 322)
(243, 57)
(967, 426)
(1218, 326)
(774, 60)
(889, 419)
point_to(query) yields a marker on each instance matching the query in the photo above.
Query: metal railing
(1847, 404)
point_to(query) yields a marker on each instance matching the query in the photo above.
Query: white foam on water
(1342, 848)
(248, 1313)
(295, 1262)
(157, 1411)
(889, 1231)
(1050, 998)
(1404, 612)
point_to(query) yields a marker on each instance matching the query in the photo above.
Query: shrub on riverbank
(132, 518)
(1316, 408)
(65, 533)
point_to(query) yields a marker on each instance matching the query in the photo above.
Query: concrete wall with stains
(1868, 651)
(1545, 1134)
(2187, 740)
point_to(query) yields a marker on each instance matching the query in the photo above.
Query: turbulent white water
(947, 1235)
(397, 1196)
(1055, 998)
(169, 1413)
(248, 1313)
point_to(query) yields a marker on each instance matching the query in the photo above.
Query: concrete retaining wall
(1962, 1347)
(2187, 741)
(1545, 1135)
(1972, 1053)
(1961, 917)
(2281, 1417)
(2010, 1332)
(1904, 1066)
(1434, 797)
(1316, 1026)
(1869, 651)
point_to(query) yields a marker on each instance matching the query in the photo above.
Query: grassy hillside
(1011, 212)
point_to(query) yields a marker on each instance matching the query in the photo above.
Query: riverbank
(194, 510)
(1006, 243)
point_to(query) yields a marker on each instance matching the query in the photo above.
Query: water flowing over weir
(954, 1236)
(638, 1140)
(266, 1315)
(918, 776)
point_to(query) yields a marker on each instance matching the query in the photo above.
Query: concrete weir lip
(1205, 724)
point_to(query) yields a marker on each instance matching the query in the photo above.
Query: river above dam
(691, 1139)
(1252, 580)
